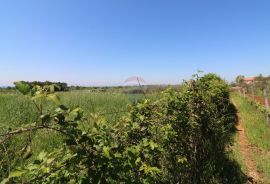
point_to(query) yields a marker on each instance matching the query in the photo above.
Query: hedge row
(181, 138)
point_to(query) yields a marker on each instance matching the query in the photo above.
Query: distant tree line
(62, 86)
(113, 89)
(127, 89)
(7, 88)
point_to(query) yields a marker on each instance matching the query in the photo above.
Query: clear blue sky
(103, 42)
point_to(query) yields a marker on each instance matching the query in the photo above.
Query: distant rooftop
(249, 79)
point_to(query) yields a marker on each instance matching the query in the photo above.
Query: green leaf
(117, 155)
(23, 87)
(138, 160)
(75, 115)
(38, 96)
(106, 152)
(42, 155)
(153, 145)
(28, 152)
(17, 173)
(148, 169)
(50, 160)
(182, 160)
(54, 98)
(141, 117)
(53, 88)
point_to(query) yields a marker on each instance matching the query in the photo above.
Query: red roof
(250, 79)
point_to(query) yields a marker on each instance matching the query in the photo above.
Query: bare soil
(257, 99)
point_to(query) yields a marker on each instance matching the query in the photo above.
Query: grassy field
(258, 134)
(16, 110)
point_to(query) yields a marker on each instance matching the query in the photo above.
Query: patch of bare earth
(245, 149)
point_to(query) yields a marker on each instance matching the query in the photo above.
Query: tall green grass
(257, 132)
(112, 105)
(16, 111)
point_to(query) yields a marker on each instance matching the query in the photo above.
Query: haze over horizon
(101, 43)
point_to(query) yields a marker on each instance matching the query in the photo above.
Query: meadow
(16, 110)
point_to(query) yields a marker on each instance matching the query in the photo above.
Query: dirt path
(245, 151)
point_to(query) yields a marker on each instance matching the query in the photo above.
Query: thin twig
(29, 129)
(23, 130)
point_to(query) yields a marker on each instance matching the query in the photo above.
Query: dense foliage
(180, 138)
(59, 86)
